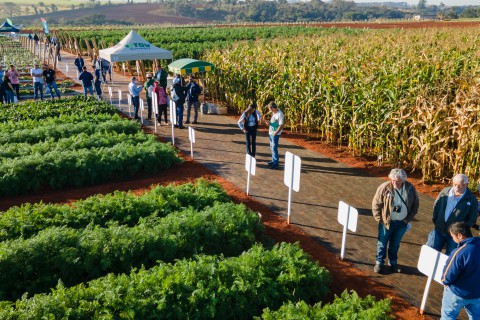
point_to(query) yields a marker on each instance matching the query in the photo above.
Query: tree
(422, 4)
(11, 9)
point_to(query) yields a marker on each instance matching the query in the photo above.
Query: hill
(141, 13)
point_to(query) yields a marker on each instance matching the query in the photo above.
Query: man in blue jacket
(454, 204)
(461, 275)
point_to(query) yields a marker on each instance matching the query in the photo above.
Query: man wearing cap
(193, 91)
(148, 85)
(275, 128)
(37, 75)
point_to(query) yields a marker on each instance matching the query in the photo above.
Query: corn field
(409, 95)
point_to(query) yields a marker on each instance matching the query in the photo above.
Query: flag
(45, 25)
(9, 22)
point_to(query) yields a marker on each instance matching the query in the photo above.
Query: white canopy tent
(134, 47)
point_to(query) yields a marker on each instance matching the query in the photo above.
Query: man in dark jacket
(178, 96)
(394, 206)
(87, 80)
(162, 76)
(461, 275)
(193, 91)
(453, 204)
(79, 63)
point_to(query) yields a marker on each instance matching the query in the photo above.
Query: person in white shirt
(248, 123)
(454, 204)
(37, 75)
(275, 124)
(134, 89)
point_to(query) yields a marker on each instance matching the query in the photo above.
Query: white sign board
(191, 134)
(119, 97)
(250, 165)
(110, 93)
(142, 108)
(347, 215)
(129, 97)
(430, 263)
(291, 177)
(173, 119)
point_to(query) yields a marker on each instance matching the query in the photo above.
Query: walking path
(220, 146)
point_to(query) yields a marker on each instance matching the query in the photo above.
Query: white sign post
(110, 93)
(191, 137)
(173, 119)
(129, 97)
(142, 107)
(430, 263)
(77, 74)
(119, 98)
(66, 68)
(347, 217)
(155, 108)
(250, 165)
(291, 178)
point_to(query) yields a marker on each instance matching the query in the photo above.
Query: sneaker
(187, 122)
(394, 268)
(270, 163)
(194, 122)
(274, 166)
(378, 268)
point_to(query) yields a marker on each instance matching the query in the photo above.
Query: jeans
(438, 240)
(392, 238)
(9, 95)
(251, 137)
(16, 87)
(453, 304)
(98, 89)
(136, 105)
(3, 96)
(274, 148)
(89, 88)
(38, 86)
(196, 106)
(149, 106)
(51, 86)
(179, 107)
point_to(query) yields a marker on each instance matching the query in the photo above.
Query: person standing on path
(134, 91)
(162, 102)
(37, 75)
(8, 88)
(87, 79)
(394, 205)
(248, 123)
(178, 96)
(275, 128)
(461, 275)
(15, 80)
(148, 85)
(79, 63)
(161, 75)
(97, 73)
(49, 77)
(193, 91)
(454, 204)
(2, 88)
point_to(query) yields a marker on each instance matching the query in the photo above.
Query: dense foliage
(347, 306)
(122, 208)
(64, 143)
(77, 255)
(205, 287)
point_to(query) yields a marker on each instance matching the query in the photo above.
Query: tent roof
(134, 47)
(186, 66)
(7, 27)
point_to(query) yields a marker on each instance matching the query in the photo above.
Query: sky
(431, 2)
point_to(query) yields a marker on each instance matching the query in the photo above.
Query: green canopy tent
(190, 66)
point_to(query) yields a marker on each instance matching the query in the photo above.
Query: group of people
(180, 92)
(10, 83)
(248, 123)
(455, 212)
(93, 80)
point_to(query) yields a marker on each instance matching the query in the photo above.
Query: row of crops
(174, 252)
(408, 95)
(73, 142)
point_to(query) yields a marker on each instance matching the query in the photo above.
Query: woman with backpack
(248, 123)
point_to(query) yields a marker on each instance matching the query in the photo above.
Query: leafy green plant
(202, 288)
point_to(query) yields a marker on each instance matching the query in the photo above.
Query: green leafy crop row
(77, 255)
(124, 208)
(206, 287)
